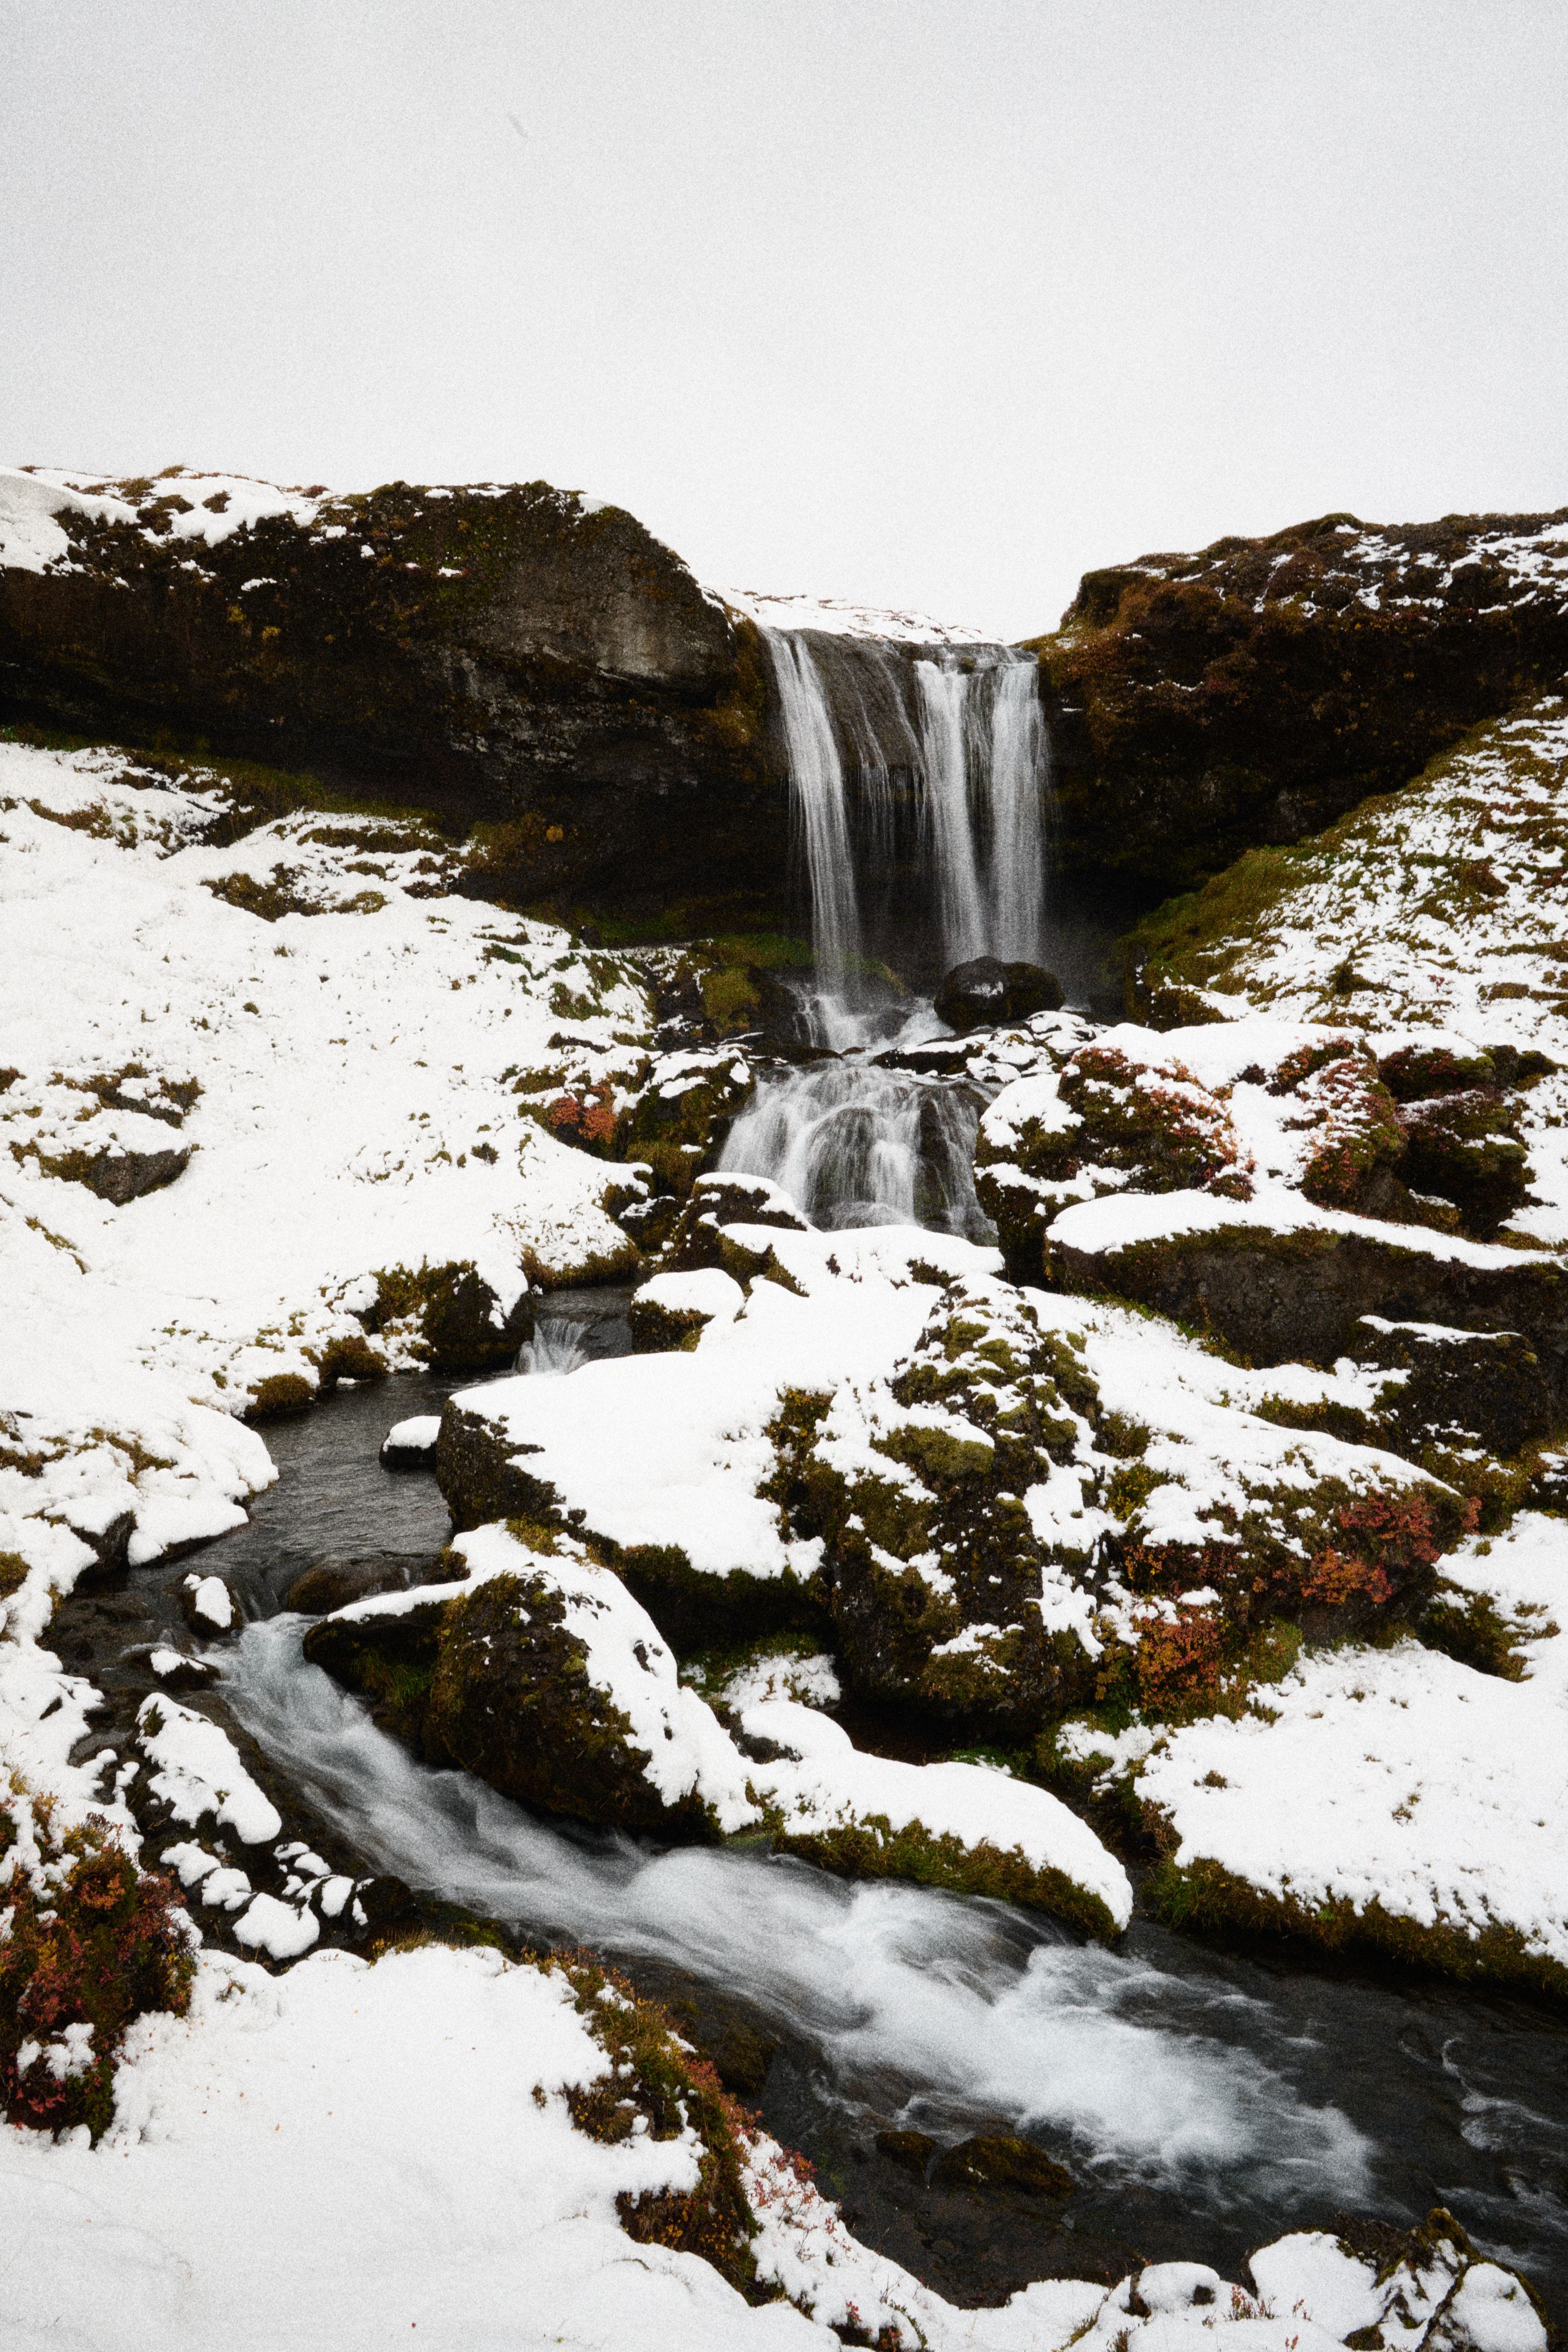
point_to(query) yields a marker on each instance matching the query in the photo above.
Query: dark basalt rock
(334, 1583)
(1256, 691)
(1463, 1388)
(1299, 1296)
(518, 655)
(984, 991)
(1001, 2160)
(118, 1177)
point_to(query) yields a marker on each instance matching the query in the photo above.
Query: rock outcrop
(1258, 689)
(512, 654)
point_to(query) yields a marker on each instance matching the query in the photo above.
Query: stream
(1206, 2099)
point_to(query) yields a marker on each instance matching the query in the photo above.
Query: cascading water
(855, 1145)
(935, 770)
(920, 789)
(817, 787)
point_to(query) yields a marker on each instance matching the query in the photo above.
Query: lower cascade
(855, 1145)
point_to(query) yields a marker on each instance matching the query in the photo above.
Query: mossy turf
(872, 1848)
(1204, 1895)
(98, 1946)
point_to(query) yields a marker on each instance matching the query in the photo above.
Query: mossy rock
(1253, 692)
(512, 1700)
(1299, 1295)
(116, 1176)
(457, 1315)
(279, 1397)
(1001, 2160)
(1202, 1893)
(872, 1848)
(390, 1660)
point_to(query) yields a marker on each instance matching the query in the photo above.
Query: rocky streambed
(1201, 2095)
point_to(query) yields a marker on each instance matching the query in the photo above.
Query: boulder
(547, 1680)
(334, 1583)
(454, 1316)
(118, 1177)
(1279, 1287)
(984, 991)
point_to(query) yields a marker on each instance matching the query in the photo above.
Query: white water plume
(1020, 809)
(960, 2010)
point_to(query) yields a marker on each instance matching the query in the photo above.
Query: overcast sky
(929, 302)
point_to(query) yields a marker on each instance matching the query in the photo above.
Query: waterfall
(947, 740)
(986, 777)
(1021, 807)
(915, 777)
(918, 785)
(817, 787)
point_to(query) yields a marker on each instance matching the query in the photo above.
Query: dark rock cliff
(1254, 692)
(513, 654)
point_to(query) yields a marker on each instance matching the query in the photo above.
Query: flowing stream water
(1205, 2100)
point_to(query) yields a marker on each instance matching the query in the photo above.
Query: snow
(31, 539)
(831, 616)
(832, 1784)
(1389, 896)
(1399, 1776)
(383, 2121)
(211, 1601)
(278, 1928)
(402, 2132)
(707, 1291)
(692, 1448)
(198, 1771)
(347, 1066)
(1124, 1220)
(339, 1073)
(415, 1435)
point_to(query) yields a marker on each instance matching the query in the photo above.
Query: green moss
(279, 1395)
(349, 1356)
(456, 1316)
(1202, 1893)
(872, 1848)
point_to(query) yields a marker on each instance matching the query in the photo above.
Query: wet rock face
(520, 656)
(985, 990)
(1255, 691)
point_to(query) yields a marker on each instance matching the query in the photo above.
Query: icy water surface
(1205, 2100)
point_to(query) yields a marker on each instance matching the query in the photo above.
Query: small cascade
(855, 1145)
